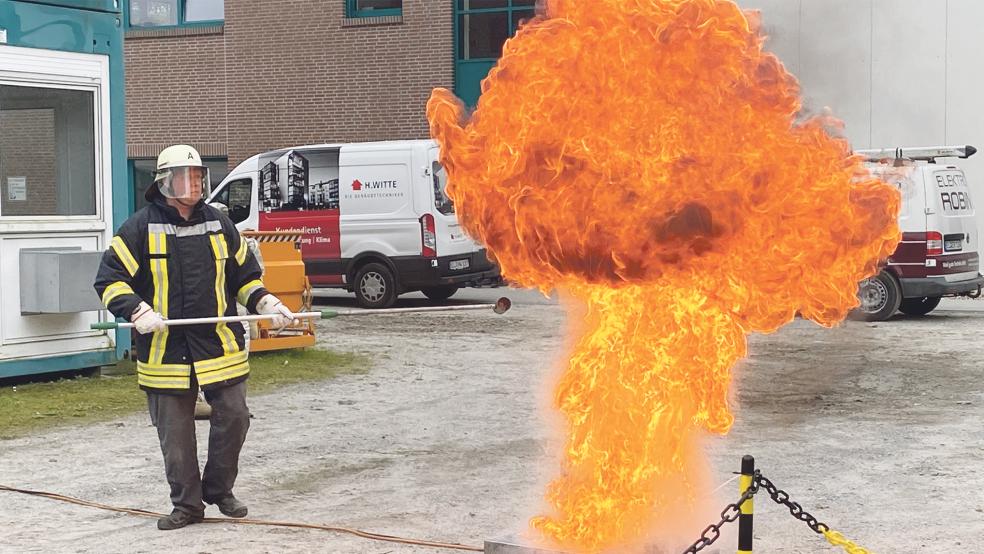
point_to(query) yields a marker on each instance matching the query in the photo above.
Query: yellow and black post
(747, 507)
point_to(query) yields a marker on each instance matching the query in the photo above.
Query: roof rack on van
(919, 153)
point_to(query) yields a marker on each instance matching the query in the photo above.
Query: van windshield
(441, 200)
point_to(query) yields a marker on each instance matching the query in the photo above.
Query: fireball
(649, 158)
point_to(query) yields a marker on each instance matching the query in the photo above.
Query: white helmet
(181, 174)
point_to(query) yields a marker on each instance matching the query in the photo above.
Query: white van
(938, 254)
(374, 217)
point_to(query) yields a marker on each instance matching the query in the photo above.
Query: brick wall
(27, 149)
(175, 92)
(298, 72)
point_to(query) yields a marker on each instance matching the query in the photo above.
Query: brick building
(238, 77)
(27, 148)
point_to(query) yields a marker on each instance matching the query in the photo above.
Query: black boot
(176, 520)
(230, 506)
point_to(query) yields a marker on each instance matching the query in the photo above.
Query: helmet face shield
(188, 184)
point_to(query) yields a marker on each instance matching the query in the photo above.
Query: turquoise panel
(34, 366)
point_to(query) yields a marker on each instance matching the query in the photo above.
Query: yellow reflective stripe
(157, 243)
(168, 374)
(241, 253)
(123, 253)
(201, 372)
(221, 362)
(163, 382)
(223, 375)
(247, 290)
(161, 370)
(219, 246)
(119, 288)
(164, 376)
(210, 375)
(158, 343)
(225, 334)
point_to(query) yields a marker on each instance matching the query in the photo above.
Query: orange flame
(645, 156)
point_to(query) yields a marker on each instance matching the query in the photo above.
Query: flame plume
(646, 156)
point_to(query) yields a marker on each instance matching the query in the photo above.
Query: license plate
(459, 264)
(953, 245)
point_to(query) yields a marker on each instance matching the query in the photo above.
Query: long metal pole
(501, 306)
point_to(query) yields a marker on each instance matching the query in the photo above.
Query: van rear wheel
(919, 306)
(375, 286)
(439, 293)
(880, 297)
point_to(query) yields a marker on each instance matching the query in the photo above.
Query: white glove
(146, 320)
(271, 305)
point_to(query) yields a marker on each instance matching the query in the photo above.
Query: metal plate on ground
(514, 545)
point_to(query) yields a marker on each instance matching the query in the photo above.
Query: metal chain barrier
(781, 497)
(728, 515)
(836, 539)
(833, 537)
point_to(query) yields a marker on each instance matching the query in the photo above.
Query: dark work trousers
(174, 417)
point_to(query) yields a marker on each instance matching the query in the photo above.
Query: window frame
(468, 72)
(226, 188)
(53, 82)
(442, 202)
(181, 5)
(512, 21)
(352, 10)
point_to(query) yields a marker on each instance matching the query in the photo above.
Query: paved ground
(876, 428)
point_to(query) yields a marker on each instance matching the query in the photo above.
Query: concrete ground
(874, 428)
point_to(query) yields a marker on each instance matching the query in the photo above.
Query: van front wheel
(879, 296)
(439, 293)
(919, 306)
(375, 286)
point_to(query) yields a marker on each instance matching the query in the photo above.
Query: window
(142, 175)
(237, 196)
(373, 8)
(204, 10)
(170, 13)
(484, 25)
(47, 152)
(481, 28)
(442, 202)
(483, 34)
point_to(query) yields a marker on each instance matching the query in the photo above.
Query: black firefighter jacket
(182, 269)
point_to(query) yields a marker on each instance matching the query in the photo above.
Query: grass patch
(26, 408)
(269, 370)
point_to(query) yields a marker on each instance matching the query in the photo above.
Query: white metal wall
(898, 72)
(32, 336)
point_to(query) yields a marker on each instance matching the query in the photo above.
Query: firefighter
(180, 258)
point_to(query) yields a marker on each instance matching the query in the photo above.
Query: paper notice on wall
(3, 36)
(16, 188)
